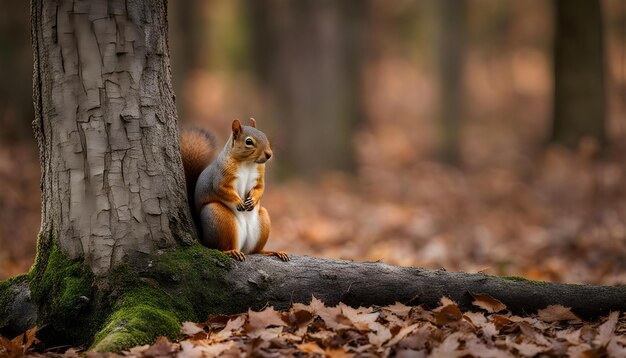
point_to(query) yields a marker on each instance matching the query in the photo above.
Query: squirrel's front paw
(241, 206)
(248, 204)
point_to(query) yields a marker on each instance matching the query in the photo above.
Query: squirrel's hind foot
(280, 254)
(236, 254)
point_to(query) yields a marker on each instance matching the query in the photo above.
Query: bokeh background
(473, 135)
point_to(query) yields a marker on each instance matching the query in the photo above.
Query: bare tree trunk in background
(579, 87)
(451, 54)
(106, 125)
(15, 68)
(309, 54)
(186, 42)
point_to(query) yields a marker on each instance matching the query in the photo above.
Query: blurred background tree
(579, 84)
(408, 131)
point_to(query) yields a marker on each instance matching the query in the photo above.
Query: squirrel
(225, 192)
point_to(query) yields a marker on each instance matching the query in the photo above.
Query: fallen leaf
(402, 334)
(487, 303)
(191, 329)
(449, 347)
(205, 350)
(310, 347)
(410, 353)
(615, 349)
(360, 321)
(263, 319)
(231, 326)
(555, 313)
(477, 348)
(380, 336)
(447, 314)
(398, 309)
(606, 330)
(161, 348)
(337, 353)
(529, 349)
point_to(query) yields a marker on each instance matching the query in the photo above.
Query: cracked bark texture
(105, 121)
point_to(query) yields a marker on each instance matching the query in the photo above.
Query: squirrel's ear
(253, 122)
(236, 128)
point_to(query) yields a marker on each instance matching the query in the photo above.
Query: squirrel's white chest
(246, 177)
(248, 223)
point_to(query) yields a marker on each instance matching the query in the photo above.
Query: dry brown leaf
(360, 321)
(606, 330)
(337, 353)
(583, 351)
(487, 303)
(161, 348)
(615, 349)
(418, 339)
(571, 335)
(333, 318)
(138, 351)
(191, 329)
(500, 321)
(310, 347)
(476, 318)
(17, 346)
(449, 347)
(402, 333)
(448, 314)
(380, 335)
(263, 319)
(477, 348)
(445, 301)
(266, 334)
(231, 326)
(555, 313)
(410, 353)
(200, 349)
(528, 349)
(398, 309)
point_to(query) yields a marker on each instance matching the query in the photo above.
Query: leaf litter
(318, 330)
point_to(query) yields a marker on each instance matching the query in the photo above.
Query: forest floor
(395, 330)
(557, 221)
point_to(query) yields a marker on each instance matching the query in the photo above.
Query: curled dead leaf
(487, 303)
(555, 313)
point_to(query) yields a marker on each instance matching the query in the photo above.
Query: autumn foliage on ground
(318, 330)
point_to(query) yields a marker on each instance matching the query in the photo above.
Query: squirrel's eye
(249, 141)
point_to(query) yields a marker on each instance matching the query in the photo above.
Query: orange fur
(197, 150)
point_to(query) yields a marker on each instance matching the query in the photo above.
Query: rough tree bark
(579, 86)
(106, 125)
(117, 264)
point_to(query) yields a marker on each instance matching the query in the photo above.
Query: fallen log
(261, 281)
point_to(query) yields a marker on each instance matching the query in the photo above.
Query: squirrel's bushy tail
(197, 149)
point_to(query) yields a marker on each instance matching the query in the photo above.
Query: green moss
(69, 306)
(180, 285)
(140, 315)
(133, 305)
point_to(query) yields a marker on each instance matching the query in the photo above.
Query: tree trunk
(106, 125)
(310, 53)
(579, 89)
(113, 192)
(451, 49)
